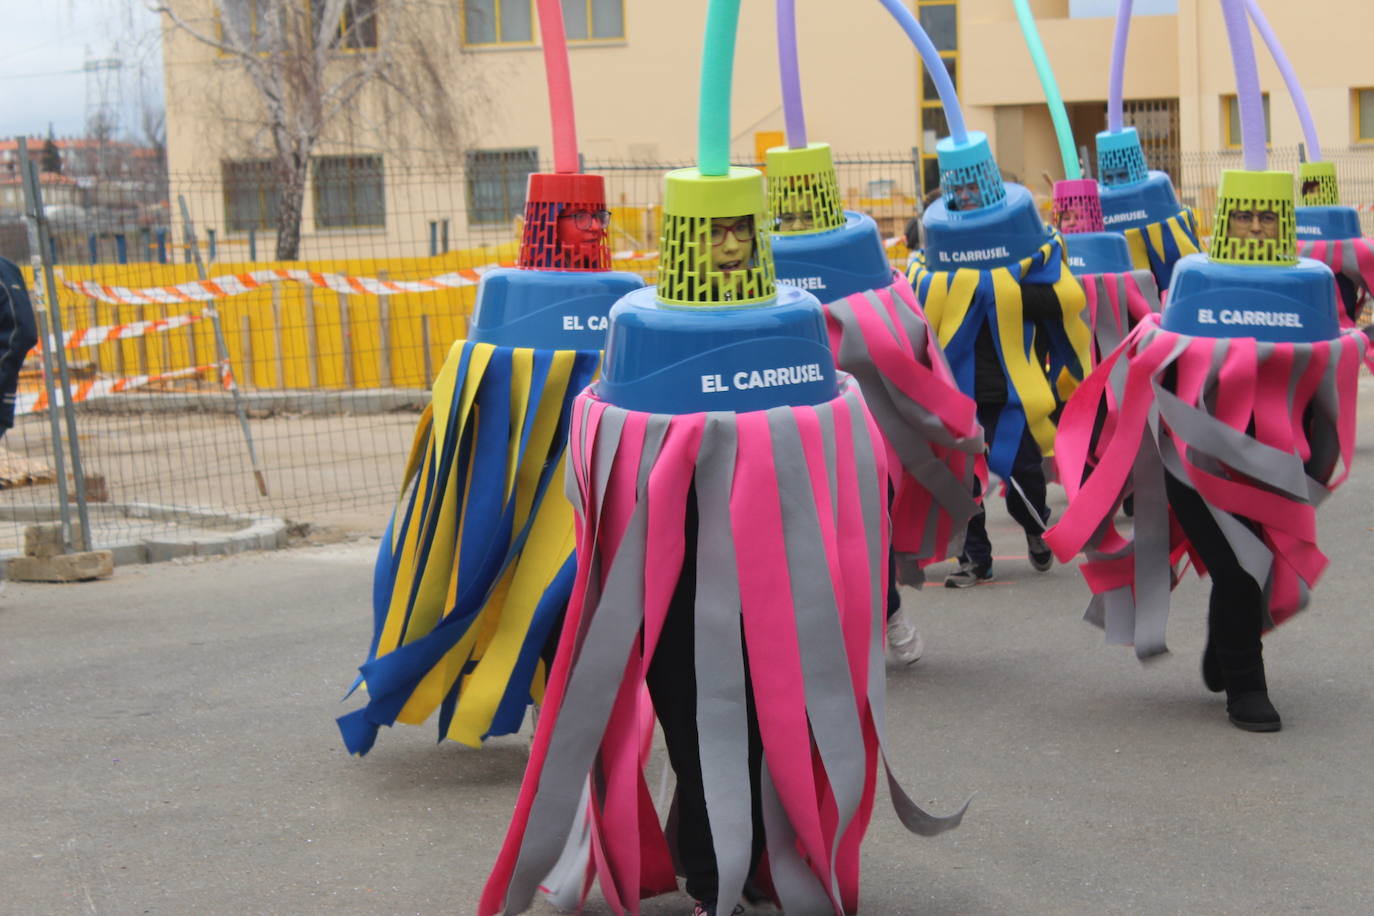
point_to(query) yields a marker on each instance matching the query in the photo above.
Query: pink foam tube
(559, 76)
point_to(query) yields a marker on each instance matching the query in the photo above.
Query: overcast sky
(47, 43)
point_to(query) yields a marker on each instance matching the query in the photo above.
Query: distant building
(59, 191)
(636, 72)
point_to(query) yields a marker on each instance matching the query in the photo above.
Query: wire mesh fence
(213, 381)
(1200, 174)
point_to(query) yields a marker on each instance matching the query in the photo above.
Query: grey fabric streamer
(908, 427)
(830, 702)
(1153, 579)
(1108, 334)
(563, 884)
(614, 625)
(799, 890)
(722, 715)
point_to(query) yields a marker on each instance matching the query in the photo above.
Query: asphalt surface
(167, 746)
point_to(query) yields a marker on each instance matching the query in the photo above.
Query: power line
(27, 76)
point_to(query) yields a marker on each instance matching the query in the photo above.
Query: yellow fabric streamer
(949, 296)
(434, 520)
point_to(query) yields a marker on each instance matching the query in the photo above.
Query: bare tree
(310, 62)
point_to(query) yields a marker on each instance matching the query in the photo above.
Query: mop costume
(969, 280)
(1240, 410)
(1116, 295)
(476, 567)
(1231, 418)
(731, 545)
(1327, 231)
(1140, 203)
(1330, 233)
(879, 335)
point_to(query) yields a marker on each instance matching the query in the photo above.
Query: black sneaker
(705, 909)
(1041, 557)
(969, 575)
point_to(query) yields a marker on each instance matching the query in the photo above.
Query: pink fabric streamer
(1116, 303)
(930, 428)
(1263, 431)
(1354, 260)
(790, 551)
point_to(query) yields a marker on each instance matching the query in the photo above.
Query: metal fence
(1200, 174)
(211, 382)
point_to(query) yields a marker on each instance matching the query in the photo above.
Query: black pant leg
(1235, 608)
(671, 679)
(977, 544)
(1028, 471)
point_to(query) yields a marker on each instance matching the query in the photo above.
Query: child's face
(732, 242)
(580, 227)
(1253, 224)
(1068, 220)
(967, 196)
(1116, 176)
(798, 220)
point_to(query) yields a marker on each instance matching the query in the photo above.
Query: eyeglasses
(1266, 217)
(742, 229)
(588, 219)
(805, 217)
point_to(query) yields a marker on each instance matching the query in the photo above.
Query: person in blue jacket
(18, 334)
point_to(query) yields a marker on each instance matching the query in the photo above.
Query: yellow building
(1179, 81)
(378, 187)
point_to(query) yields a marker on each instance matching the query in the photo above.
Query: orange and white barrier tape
(224, 287)
(237, 284)
(108, 333)
(34, 402)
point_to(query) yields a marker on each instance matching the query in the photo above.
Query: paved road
(168, 746)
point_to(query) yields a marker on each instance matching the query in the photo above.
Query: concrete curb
(362, 401)
(240, 531)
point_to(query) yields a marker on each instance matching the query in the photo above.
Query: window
(588, 20)
(357, 26)
(1105, 9)
(940, 18)
(1230, 121)
(928, 90)
(497, 22)
(349, 192)
(1362, 120)
(241, 23)
(496, 183)
(251, 196)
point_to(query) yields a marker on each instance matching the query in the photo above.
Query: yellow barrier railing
(287, 335)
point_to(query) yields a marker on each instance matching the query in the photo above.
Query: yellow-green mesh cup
(1317, 185)
(686, 276)
(1268, 197)
(802, 183)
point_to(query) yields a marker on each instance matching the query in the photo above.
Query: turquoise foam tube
(717, 72)
(1053, 98)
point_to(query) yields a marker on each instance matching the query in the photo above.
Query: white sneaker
(904, 643)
